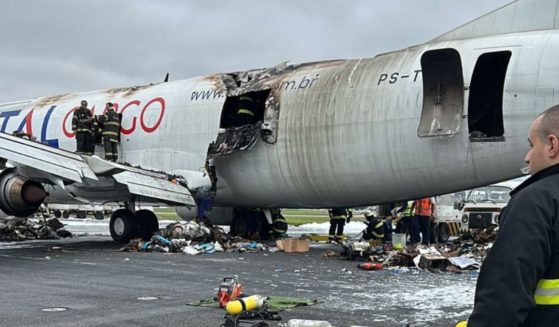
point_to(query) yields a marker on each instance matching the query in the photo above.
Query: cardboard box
(293, 244)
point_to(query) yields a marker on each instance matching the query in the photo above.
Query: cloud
(61, 46)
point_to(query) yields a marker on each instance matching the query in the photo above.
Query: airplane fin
(518, 16)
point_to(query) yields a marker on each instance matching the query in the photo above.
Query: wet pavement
(95, 285)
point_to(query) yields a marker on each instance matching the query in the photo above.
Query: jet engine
(19, 196)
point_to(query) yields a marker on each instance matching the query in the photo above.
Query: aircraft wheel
(123, 226)
(81, 214)
(240, 226)
(99, 215)
(65, 214)
(147, 223)
(444, 233)
(57, 214)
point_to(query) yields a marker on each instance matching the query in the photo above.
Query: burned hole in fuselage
(240, 124)
(247, 108)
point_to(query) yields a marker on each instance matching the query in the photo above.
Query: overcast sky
(51, 47)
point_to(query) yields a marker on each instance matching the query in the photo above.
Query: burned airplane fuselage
(447, 115)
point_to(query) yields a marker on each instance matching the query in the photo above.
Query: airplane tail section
(518, 16)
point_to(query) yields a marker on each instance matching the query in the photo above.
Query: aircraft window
(485, 105)
(443, 93)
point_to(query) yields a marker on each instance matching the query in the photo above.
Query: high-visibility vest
(407, 212)
(423, 207)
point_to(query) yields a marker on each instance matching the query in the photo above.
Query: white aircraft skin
(347, 130)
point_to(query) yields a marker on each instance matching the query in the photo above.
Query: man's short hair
(549, 124)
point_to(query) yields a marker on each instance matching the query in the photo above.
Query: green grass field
(294, 217)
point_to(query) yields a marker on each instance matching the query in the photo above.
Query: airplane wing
(37, 162)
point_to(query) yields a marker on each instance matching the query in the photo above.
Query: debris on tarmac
(26, 229)
(195, 238)
(460, 254)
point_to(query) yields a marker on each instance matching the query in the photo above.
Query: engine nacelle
(19, 196)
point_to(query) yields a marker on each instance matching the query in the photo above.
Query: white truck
(483, 205)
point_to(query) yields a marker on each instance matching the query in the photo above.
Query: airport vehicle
(447, 219)
(450, 114)
(483, 205)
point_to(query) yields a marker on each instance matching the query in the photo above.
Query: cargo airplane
(447, 115)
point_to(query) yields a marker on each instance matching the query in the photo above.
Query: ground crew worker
(338, 218)
(518, 284)
(82, 126)
(406, 212)
(111, 132)
(421, 221)
(245, 112)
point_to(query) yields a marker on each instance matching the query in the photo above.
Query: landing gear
(147, 223)
(99, 215)
(57, 214)
(444, 233)
(81, 214)
(250, 224)
(240, 226)
(123, 226)
(65, 214)
(126, 225)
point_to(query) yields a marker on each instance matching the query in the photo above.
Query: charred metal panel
(443, 93)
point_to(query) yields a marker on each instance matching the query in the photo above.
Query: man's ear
(553, 146)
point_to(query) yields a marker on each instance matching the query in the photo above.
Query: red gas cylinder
(370, 266)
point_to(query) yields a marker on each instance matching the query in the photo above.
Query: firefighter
(245, 112)
(518, 284)
(111, 132)
(338, 218)
(279, 225)
(82, 126)
(375, 227)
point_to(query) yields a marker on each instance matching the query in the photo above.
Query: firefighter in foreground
(82, 127)
(518, 284)
(110, 132)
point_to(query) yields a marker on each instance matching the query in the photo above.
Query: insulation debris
(26, 229)
(194, 238)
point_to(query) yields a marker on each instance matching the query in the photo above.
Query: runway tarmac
(97, 286)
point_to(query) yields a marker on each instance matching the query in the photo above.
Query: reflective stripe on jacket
(82, 121)
(518, 284)
(111, 125)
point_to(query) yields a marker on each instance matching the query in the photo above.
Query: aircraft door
(485, 103)
(443, 93)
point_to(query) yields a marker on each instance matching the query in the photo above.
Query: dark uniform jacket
(519, 280)
(82, 121)
(111, 125)
(338, 213)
